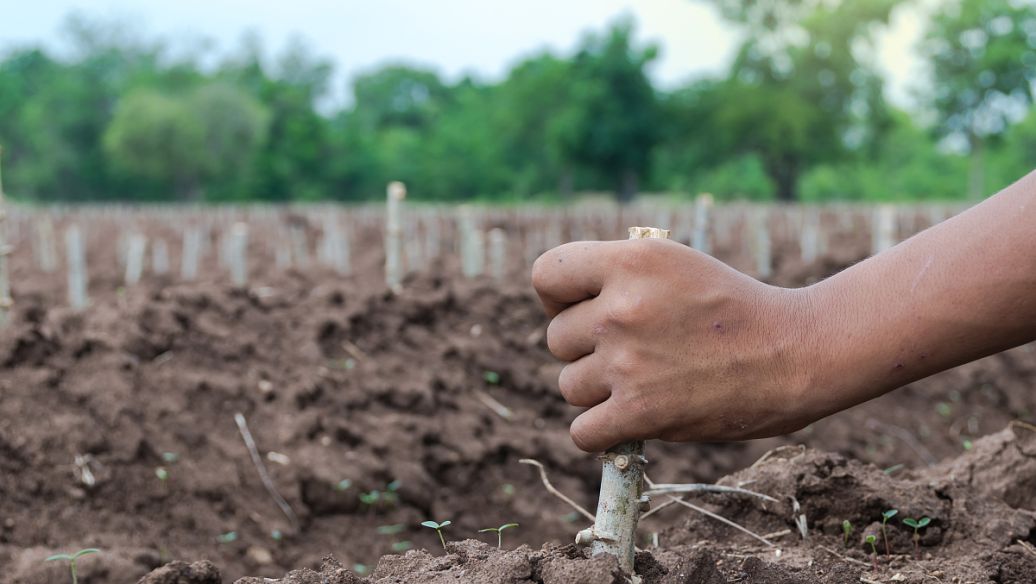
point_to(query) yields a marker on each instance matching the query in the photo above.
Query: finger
(599, 428)
(570, 273)
(581, 382)
(571, 334)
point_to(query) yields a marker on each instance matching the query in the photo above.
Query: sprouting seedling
(370, 498)
(438, 527)
(885, 516)
(401, 546)
(499, 532)
(847, 531)
(391, 494)
(228, 537)
(71, 559)
(162, 473)
(491, 377)
(871, 539)
(170, 457)
(390, 529)
(343, 485)
(918, 525)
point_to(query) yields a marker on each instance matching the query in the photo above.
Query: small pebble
(259, 555)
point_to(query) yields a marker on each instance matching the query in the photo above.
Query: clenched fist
(665, 342)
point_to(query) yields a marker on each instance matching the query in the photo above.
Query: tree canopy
(799, 114)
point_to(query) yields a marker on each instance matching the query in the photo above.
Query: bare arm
(665, 342)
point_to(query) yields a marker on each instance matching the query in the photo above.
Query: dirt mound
(117, 427)
(978, 532)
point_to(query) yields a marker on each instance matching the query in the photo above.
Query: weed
(499, 532)
(71, 559)
(885, 516)
(871, 539)
(918, 525)
(438, 527)
(847, 530)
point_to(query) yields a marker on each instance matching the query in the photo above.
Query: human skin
(664, 342)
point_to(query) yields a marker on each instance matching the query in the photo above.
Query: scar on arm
(920, 274)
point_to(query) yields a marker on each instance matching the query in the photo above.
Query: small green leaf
(343, 485)
(871, 539)
(162, 473)
(394, 485)
(170, 457)
(488, 529)
(890, 514)
(491, 377)
(276, 535)
(401, 546)
(924, 521)
(911, 522)
(847, 527)
(431, 524)
(507, 526)
(360, 569)
(58, 557)
(445, 523)
(228, 537)
(390, 529)
(85, 552)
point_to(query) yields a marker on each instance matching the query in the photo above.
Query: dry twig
(668, 489)
(550, 488)
(263, 474)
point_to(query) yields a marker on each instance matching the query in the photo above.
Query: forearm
(961, 290)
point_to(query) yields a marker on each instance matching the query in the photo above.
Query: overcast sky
(483, 37)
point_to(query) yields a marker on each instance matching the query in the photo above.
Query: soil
(348, 388)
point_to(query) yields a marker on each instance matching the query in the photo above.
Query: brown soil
(351, 383)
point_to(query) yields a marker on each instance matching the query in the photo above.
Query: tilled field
(375, 411)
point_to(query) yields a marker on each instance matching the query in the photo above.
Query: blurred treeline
(801, 113)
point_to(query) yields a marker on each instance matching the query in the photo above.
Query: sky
(456, 37)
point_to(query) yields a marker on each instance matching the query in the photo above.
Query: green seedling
(438, 527)
(228, 537)
(390, 529)
(170, 457)
(391, 494)
(343, 485)
(871, 539)
(162, 473)
(885, 516)
(371, 498)
(360, 569)
(508, 489)
(71, 559)
(918, 525)
(847, 530)
(499, 532)
(276, 535)
(491, 377)
(401, 546)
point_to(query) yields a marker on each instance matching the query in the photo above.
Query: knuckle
(626, 310)
(567, 383)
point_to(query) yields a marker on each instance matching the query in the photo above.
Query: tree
(983, 56)
(802, 89)
(611, 125)
(209, 136)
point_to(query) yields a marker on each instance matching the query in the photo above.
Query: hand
(665, 342)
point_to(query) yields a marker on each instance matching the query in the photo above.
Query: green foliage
(499, 531)
(847, 531)
(228, 537)
(438, 527)
(800, 113)
(917, 524)
(491, 377)
(72, 559)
